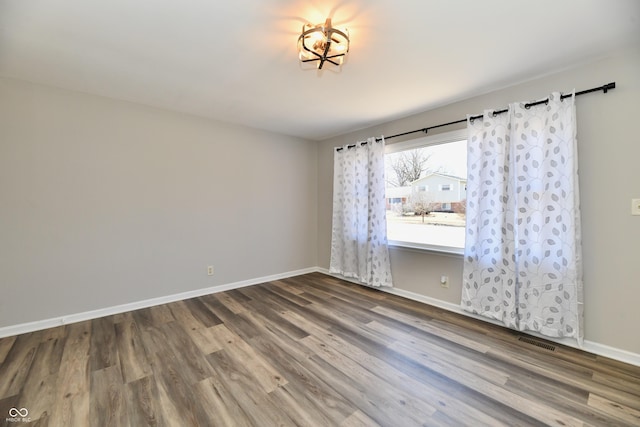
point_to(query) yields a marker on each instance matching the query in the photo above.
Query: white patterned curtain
(359, 233)
(522, 262)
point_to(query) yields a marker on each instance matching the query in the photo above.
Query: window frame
(427, 141)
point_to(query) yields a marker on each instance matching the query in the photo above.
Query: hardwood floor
(306, 351)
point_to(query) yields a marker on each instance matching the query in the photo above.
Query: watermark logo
(18, 415)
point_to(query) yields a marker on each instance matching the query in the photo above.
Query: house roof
(237, 61)
(444, 175)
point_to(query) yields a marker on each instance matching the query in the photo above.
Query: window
(429, 177)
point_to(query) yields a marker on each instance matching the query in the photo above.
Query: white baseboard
(588, 346)
(23, 328)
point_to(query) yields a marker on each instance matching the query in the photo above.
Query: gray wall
(105, 202)
(609, 156)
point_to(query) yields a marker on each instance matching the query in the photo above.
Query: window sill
(422, 247)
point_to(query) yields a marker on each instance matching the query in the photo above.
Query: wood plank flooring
(306, 351)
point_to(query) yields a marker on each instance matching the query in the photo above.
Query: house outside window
(426, 192)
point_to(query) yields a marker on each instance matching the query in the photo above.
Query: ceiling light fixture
(322, 43)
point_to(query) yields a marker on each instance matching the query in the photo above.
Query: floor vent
(537, 343)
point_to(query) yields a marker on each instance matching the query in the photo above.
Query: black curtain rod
(603, 88)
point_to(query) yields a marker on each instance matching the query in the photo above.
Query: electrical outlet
(210, 270)
(444, 281)
(635, 206)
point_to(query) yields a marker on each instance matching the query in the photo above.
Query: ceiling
(236, 61)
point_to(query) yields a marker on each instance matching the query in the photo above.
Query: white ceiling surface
(236, 61)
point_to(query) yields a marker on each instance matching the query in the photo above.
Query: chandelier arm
(333, 62)
(342, 33)
(312, 52)
(327, 46)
